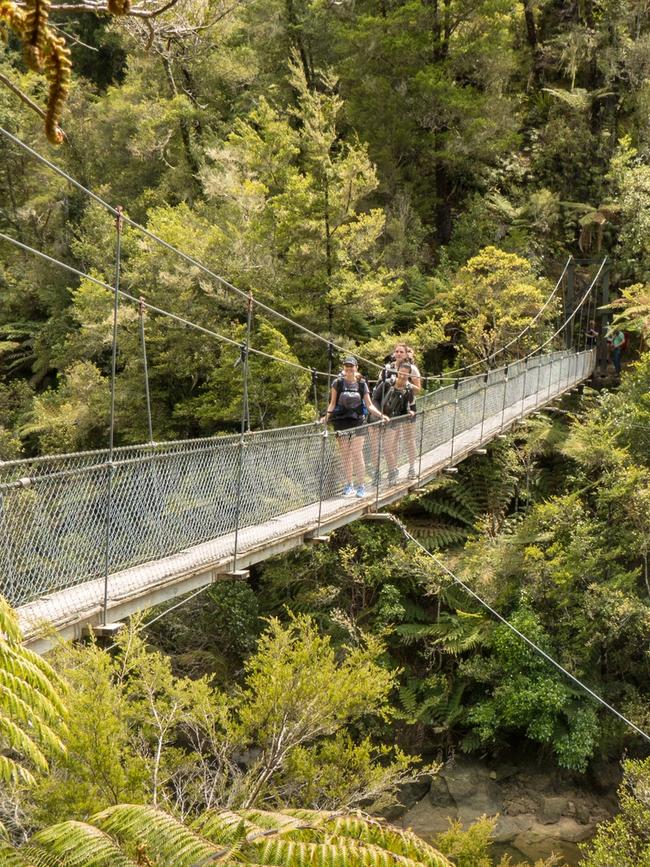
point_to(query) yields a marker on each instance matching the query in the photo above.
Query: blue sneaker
(348, 491)
(361, 491)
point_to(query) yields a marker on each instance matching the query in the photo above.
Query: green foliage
(624, 840)
(129, 835)
(491, 300)
(32, 708)
(139, 733)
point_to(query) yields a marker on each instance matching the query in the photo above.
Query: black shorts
(347, 425)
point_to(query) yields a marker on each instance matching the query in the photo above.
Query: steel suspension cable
(573, 314)
(514, 340)
(111, 429)
(158, 240)
(154, 309)
(272, 311)
(516, 631)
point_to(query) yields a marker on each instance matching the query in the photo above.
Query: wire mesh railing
(168, 497)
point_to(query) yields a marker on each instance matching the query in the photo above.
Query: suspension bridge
(92, 537)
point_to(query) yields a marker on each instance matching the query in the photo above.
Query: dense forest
(376, 170)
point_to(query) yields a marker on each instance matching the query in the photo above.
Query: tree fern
(127, 835)
(31, 708)
(77, 844)
(450, 510)
(161, 836)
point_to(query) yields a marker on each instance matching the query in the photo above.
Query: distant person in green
(616, 341)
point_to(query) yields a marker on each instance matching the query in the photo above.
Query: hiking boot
(393, 476)
(361, 490)
(411, 473)
(348, 490)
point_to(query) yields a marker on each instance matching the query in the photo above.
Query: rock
(521, 805)
(508, 827)
(551, 810)
(503, 771)
(582, 814)
(413, 791)
(426, 820)
(462, 779)
(439, 793)
(571, 832)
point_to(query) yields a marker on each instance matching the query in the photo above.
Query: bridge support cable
(111, 428)
(321, 473)
(186, 257)
(505, 622)
(245, 427)
(145, 370)
(226, 284)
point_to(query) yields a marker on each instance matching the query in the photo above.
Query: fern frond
(81, 845)
(403, 843)
(12, 857)
(164, 837)
(223, 827)
(12, 736)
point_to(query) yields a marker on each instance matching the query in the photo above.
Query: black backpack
(394, 402)
(350, 398)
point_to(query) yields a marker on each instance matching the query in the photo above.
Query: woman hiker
(349, 404)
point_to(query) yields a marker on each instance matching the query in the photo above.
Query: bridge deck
(68, 610)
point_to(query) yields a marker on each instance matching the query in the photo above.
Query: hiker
(397, 399)
(591, 337)
(349, 397)
(401, 352)
(616, 341)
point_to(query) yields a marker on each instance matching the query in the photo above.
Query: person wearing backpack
(401, 353)
(397, 400)
(348, 406)
(616, 341)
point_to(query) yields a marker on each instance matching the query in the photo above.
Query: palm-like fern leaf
(31, 708)
(77, 844)
(129, 835)
(167, 839)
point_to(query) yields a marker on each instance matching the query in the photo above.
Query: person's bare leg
(359, 465)
(391, 437)
(346, 457)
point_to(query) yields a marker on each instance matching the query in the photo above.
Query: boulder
(551, 809)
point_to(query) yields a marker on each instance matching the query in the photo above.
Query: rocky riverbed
(540, 810)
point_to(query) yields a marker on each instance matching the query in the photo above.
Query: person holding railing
(401, 353)
(397, 399)
(349, 397)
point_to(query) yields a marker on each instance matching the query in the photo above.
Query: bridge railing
(167, 497)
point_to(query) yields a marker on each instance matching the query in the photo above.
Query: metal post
(539, 368)
(569, 301)
(146, 371)
(330, 357)
(111, 431)
(245, 423)
(505, 391)
(523, 393)
(422, 418)
(453, 426)
(602, 357)
(7, 572)
(486, 380)
(379, 445)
